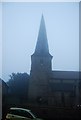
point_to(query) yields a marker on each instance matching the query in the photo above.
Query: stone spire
(42, 43)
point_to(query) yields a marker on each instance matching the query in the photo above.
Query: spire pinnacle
(42, 18)
(42, 43)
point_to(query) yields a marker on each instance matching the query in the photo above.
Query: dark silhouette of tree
(18, 84)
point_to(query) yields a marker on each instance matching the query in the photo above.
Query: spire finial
(42, 16)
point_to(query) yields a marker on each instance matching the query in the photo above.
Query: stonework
(46, 86)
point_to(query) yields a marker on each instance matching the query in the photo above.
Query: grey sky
(0, 39)
(21, 23)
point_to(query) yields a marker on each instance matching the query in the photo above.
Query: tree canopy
(18, 84)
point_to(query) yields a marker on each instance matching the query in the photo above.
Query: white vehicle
(20, 114)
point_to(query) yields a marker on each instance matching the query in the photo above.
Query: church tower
(41, 68)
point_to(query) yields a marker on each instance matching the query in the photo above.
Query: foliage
(18, 84)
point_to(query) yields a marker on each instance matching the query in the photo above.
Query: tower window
(41, 61)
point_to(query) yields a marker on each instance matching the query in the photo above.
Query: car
(21, 114)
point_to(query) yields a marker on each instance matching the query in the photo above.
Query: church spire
(42, 43)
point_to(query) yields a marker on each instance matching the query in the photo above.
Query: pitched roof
(62, 87)
(65, 75)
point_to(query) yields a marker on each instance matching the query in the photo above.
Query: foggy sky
(21, 23)
(0, 39)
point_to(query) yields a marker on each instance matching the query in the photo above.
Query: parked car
(21, 114)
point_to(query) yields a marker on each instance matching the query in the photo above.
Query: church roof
(62, 87)
(65, 75)
(55, 85)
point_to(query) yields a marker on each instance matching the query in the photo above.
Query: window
(14, 112)
(41, 61)
(21, 113)
(26, 114)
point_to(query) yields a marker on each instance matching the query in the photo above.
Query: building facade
(58, 88)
